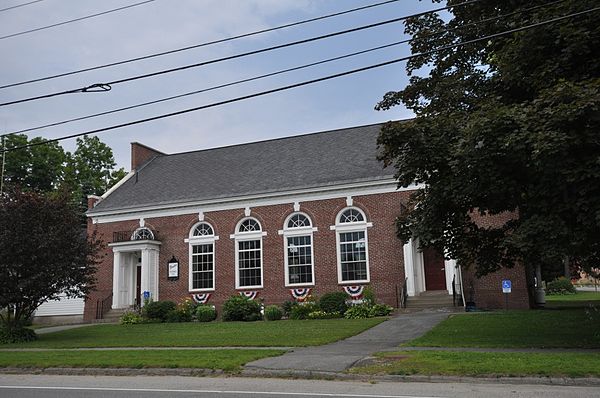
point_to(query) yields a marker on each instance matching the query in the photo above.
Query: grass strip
(579, 300)
(228, 360)
(483, 364)
(214, 334)
(579, 296)
(565, 328)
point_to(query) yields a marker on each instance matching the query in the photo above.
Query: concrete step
(430, 300)
(112, 316)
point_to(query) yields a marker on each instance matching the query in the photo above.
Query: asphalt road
(40, 386)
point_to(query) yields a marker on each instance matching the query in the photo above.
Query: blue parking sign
(506, 286)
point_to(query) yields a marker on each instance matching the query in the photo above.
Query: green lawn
(213, 334)
(579, 300)
(568, 328)
(484, 364)
(228, 360)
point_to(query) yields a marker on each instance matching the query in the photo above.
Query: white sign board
(506, 286)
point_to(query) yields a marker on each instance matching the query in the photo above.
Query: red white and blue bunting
(354, 291)
(201, 298)
(300, 294)
(250, 294)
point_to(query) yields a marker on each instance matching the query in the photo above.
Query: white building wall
(64, 306)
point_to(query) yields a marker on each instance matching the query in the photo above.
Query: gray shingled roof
(304, 161)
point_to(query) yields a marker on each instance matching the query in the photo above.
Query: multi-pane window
(248, 253)
(353, 256)
(142, 234)
(249, 263)
(297, 235)
(202, 257)
(299, 250)
(353, 251)
(203, 266)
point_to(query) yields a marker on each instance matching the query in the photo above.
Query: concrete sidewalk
(339, 356)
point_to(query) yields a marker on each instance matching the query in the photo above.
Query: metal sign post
(506, 289)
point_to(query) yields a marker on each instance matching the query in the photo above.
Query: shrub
(301, 311)
(187, 309)
(358, 311)
(334, 302)
(273, 313)
(131, 318)
(175, 316)
(206, 313)
(240, 308)
(324, 315)
(158, 310)
(380, 310)
(287, 306)
(369, 295)
(560, 286)
(16, 335)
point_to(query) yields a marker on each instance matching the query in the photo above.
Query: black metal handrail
(404, 293)
(125, 236)
(103, 306)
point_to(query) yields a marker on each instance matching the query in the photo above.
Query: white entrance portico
(127, 258)
(425, 272)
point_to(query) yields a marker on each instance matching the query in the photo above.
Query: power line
(230, 57)
(246, 80)
(308, 82)
(74, 20)
(223, 40)
(19, 5)
(279, 72)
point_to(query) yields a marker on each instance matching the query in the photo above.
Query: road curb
(302, 374)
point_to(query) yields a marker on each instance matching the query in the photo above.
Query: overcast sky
(163, 25)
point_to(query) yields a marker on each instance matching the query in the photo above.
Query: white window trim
(201, 240)
(243, 237)
(302, 231)
(351, 227)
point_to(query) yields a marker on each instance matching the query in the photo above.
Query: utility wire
(74, 20)
(19, 5)
(223, 40)
(235, 56)
(308, 82)
(279, 72)
(495, 18)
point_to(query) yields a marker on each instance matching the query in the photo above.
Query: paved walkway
(339, 356)
(52, 329)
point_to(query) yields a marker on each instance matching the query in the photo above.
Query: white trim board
(306, 195)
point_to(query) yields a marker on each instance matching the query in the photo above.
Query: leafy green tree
(43, 254)
(91, 166)
(506, 127)
(38, 168)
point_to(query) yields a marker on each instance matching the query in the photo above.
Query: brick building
(271, 219)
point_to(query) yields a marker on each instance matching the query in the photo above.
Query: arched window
(352, 246)
(298, 243)
(202, 257)
(248, 254)
(142, 233)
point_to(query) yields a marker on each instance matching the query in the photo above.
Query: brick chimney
(92, 200)
(141, 154)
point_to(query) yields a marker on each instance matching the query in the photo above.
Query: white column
(150, 272)
(409, 267)
(153, 272)
(450, 266)
(144, 285)
(116, 278)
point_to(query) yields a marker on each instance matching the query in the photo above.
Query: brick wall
(486, 291)
(385, 250)
(386, 262)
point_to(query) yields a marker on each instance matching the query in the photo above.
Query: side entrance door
(435, 271)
